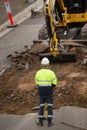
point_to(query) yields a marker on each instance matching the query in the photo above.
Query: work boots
(40, 124)
(51, 124)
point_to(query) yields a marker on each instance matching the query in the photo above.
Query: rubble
(35, 13)
(84, 31)
(4, 70)
(40, 47)
(22, 59)
(43, 34)
(82, 55)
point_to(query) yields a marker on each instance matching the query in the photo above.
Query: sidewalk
(66, 118)
(19, 18)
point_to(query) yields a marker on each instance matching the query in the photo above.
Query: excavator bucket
(65, 57)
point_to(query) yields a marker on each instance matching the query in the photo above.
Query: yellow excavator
(63, 15)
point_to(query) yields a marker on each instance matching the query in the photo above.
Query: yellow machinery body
(63, 13)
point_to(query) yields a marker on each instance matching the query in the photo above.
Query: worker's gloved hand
(53, 85)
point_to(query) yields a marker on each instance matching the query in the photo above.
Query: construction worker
(45, 80)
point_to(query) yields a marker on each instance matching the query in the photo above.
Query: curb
(22, 16)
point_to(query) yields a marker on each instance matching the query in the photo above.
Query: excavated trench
(18, 93)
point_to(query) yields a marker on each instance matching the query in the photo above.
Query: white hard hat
(45, 61)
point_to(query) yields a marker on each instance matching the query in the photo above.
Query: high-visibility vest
(45, 77)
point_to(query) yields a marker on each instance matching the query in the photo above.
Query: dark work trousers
(49, 101)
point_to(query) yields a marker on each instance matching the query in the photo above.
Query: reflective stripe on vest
(46, 80)
(45, 83)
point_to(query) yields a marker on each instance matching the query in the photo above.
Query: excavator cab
(71, 11)
(75, 6)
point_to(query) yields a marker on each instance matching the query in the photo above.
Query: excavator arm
(53, 41)
(63, 13)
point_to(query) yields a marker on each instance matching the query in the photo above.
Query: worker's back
(45, 78)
